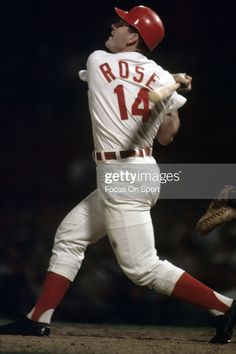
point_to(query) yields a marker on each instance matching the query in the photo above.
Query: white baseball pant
(130, 231)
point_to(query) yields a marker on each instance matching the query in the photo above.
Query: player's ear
(133, 38)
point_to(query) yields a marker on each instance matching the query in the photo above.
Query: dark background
(46, 145)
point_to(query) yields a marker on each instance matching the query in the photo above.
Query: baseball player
(125, 124)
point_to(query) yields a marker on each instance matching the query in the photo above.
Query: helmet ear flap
(147, 22)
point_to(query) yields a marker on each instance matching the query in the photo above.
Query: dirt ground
(68, 338)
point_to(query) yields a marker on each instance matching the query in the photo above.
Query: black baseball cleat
(26, 327)
(224, 325)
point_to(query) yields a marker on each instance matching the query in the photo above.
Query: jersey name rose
(124, 73)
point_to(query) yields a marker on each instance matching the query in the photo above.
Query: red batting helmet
(147, 22)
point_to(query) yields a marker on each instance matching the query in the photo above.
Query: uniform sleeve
(83, 75)
(175, 101)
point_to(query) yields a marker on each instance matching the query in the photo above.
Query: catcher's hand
(219, 212)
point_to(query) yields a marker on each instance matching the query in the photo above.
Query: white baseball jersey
(122, 119)
(118, 85)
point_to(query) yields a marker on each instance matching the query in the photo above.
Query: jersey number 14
(136, 110)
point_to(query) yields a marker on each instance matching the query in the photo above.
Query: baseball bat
(162, 93)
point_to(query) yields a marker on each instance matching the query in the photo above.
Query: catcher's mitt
(219, 211)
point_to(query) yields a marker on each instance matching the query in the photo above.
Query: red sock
(190, 289)
(54, 288)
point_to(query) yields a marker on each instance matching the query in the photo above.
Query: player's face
(120, 37)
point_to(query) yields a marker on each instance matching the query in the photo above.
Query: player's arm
(170, 125)
(168, 128)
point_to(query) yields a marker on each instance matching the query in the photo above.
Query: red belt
(123, 154)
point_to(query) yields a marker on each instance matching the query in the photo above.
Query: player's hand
(184, 80)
